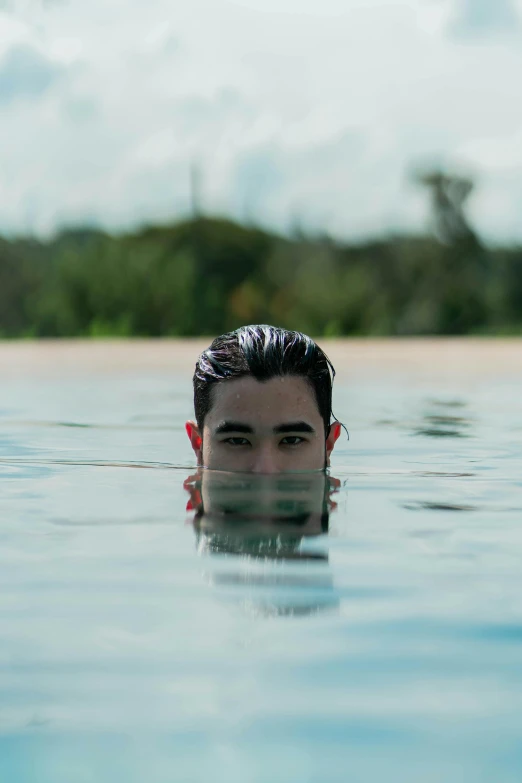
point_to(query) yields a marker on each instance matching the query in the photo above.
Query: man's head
(263, 403)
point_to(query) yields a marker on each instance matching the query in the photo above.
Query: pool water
(140, 641)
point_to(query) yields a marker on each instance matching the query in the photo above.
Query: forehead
(287, 397)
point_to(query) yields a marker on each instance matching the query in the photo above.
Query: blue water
(136, 647)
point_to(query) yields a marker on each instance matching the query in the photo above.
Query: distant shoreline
(208, 275)
(418, 356)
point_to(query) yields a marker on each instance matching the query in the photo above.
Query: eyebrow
(237, 426)
(233, 426)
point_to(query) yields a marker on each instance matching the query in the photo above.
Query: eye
(292, 440)
(237, 441)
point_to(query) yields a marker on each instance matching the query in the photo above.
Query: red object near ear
(195, 501)
(195, 439)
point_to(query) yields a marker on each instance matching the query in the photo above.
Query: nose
(265, 461)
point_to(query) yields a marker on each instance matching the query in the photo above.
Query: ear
(196, 441)
(335, 431)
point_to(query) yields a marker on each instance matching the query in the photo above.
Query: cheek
(207, 447)
(215, 453)
(314, 457)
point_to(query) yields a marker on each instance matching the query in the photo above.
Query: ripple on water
(141, 641)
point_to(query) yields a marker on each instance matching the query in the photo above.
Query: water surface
(137, 644)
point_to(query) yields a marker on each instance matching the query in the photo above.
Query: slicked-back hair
(264, 352)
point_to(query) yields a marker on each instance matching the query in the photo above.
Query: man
(263, 403)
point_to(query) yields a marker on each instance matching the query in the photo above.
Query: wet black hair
(264, 352)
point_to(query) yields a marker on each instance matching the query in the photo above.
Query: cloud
(485, 17)
(288, 108)
(25, 74)
(80, 109)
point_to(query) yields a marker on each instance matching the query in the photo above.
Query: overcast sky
(308, 112)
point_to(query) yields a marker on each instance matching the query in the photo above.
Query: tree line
(207, 275)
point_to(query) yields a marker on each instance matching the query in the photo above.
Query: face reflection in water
(263, 519)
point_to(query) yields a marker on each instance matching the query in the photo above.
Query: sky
(293, 113)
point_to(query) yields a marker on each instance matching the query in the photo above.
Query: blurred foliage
(206, 276)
